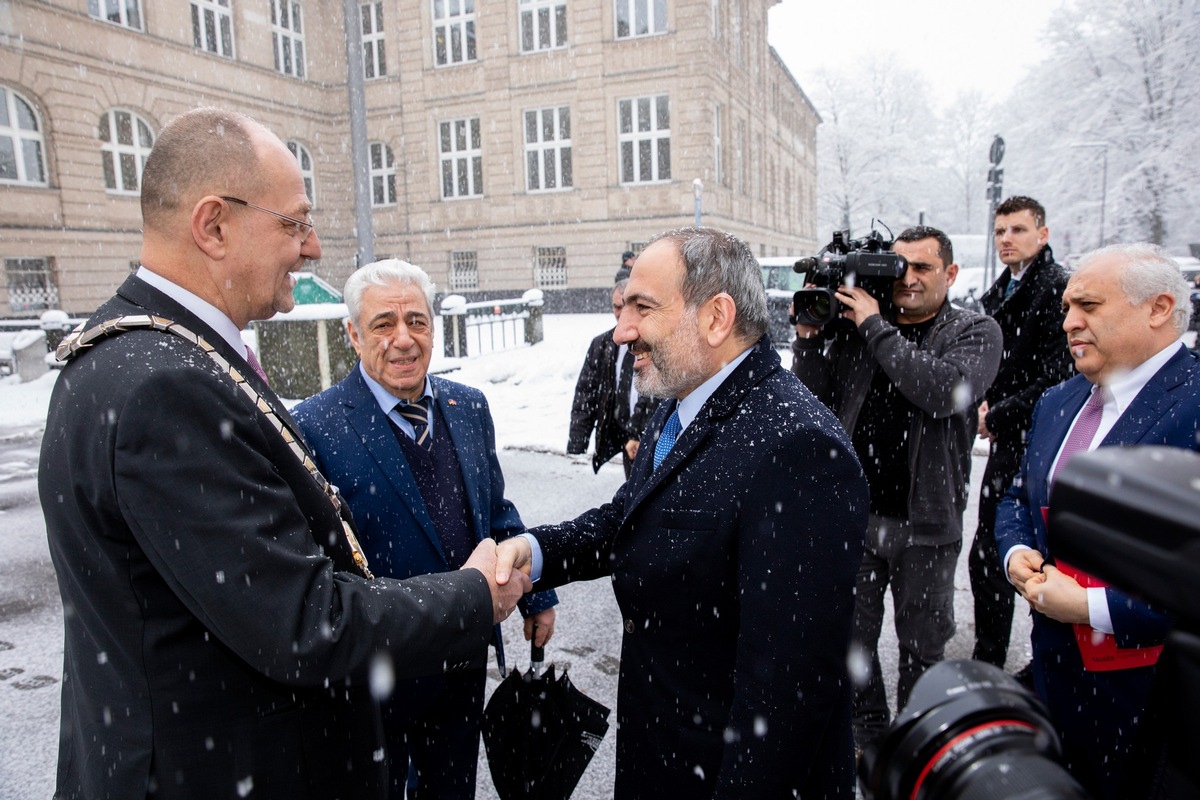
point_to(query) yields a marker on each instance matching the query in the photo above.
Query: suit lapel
(1151, 403)
(372, 426)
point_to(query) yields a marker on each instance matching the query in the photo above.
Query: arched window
(21, 143)
(306, 169)
(383, 175)
(125, 143)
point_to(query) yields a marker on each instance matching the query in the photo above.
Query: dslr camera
(1131, 517)
(867, 262)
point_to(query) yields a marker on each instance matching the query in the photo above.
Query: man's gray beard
(688, 370)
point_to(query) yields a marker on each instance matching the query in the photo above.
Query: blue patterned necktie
(666, 439)
(417, 413)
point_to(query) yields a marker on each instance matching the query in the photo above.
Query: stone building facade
(511, 143)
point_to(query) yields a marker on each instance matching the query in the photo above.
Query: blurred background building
(502, 144)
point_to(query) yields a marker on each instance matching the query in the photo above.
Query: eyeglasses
(302, 228)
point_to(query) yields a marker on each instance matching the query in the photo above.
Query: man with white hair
(1094, 647)
(415, 457)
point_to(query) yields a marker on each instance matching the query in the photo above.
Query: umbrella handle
(537, 655)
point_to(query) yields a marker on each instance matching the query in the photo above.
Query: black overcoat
(216, 643)
(733, 565)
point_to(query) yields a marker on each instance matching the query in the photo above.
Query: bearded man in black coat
(732, 548)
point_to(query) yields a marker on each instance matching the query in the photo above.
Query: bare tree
(1110, 133)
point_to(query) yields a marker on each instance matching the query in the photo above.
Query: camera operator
(1094, 647)
(905, 387)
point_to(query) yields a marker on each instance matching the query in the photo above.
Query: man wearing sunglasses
(220, 625)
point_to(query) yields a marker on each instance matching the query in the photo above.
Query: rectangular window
(383, 175)
(550, 267)
(461, 150)
(374, 60)
(464, 271)
(548, 149)
(212, 27)
(543, 24)
(640, 18)
(126, 13)
(31, 284)
(644, 139)
(287, 35)
(453, 31)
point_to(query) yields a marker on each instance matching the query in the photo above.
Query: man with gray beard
(732, 547)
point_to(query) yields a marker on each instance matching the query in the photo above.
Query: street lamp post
(1103, 180)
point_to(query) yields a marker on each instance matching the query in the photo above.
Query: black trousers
(992, 592)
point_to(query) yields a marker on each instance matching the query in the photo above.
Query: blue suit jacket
(1165, 412)
(355, 448)
(1096, 712)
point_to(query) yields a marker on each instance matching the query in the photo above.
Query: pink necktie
(1084, 431)
(252, 360)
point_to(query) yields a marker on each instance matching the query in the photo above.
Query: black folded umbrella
(540, 733)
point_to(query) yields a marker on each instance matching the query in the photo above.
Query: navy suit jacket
(1096, 712)
(1165, 412)
(733, 564)
(355, 447)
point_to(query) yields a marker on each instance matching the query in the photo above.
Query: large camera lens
(814, 306)
(969, 732)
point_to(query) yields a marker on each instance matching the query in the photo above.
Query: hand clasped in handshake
(506, 568)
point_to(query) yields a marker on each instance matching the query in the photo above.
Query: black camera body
(867, 262)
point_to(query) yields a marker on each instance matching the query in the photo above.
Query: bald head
(203, 151)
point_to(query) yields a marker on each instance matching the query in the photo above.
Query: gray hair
(384, 273)
(1145, 273)
(715, 262)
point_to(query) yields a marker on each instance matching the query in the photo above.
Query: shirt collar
(690, 406)
(387, 401)
(212, 316)
(1125, 387)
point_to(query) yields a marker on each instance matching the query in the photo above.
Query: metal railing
(489, 326)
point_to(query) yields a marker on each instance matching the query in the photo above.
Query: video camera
(867, 262)
(1131, 517)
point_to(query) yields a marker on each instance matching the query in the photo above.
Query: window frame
(468, 157)
(531, 26)
(373, 41)
(23, 139)
(220, 14)
(463, 263)
(626, 12)
(48, 288)
(118, 157)
(383, 177)
(558, 149)
(121, 7)
(550, 267)
(287, 41)
(305, 161)
(638, 139)
(453, 29)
